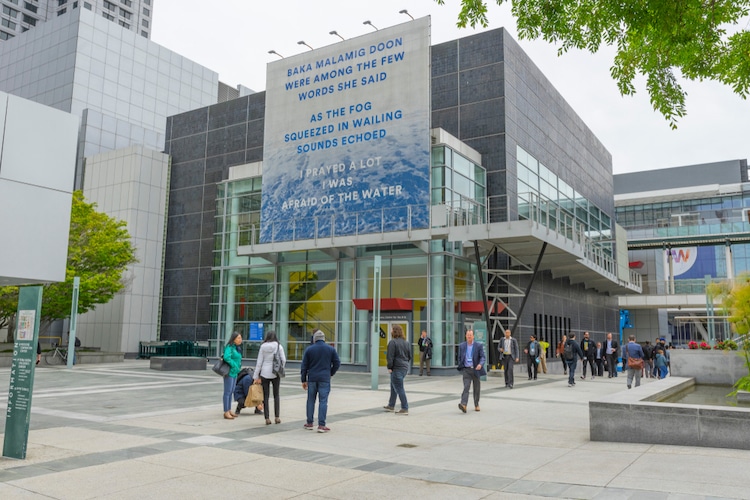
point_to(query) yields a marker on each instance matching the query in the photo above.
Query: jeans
(572, 371)
(267, 382)
(229, 383)
(321, 390)
(470, 377)
(397, 388)
(634, 373)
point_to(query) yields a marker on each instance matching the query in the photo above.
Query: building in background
(491, 192)
(20, 16)
(122, 87)
(686, 226)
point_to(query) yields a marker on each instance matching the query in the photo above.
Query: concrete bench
(178, 363)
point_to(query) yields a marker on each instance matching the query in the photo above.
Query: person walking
(320, 362)
(660, 364)
(648, 359)
(543, 356)
(264, 374)
(572, 352)
(398, 357)
(559, 353)
(532, 351)
(589, 354)
(508, 348)
(425, 352)
(634, 355)
(470, 363)
(233, 358)
(610, 349)
(599, 359)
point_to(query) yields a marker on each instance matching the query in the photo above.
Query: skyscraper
(19, 16)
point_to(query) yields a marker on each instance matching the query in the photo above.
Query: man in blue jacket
(471, 362)
(319, 363)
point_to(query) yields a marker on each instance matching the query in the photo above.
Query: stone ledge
(82, 358)
(178, 363)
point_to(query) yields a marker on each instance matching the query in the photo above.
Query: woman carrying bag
(264, 373)
(233, 358)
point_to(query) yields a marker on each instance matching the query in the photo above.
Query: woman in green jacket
(233, 357)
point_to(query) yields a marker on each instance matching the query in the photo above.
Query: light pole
(275, 53)
(370, 24)
(407, 13)
(334, 32)
(302, 42)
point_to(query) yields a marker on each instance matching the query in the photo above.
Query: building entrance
(386, 327)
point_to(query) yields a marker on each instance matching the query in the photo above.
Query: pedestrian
(264, 374)
(572, 352)
(319, 363)
(508, 348)
(398, 357)
(589, 354)
(241, 390)
(425, 352)
(610, 349)
(660, 364)
(470, 363)
(233, 358)
(543, 356)
(634, 356)
(559, 353)
(533, 351)
(648, 359)
(599, 359)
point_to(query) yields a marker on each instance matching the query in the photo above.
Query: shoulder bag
(278, 367)
(221, 367)
(635, 363)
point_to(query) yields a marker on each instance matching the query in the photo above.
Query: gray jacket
(399, 354)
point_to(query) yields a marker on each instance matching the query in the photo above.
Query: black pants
(532, 365)
(599, 367)
(589, 361)
(612, 364)
(508, 370)
(276, 382)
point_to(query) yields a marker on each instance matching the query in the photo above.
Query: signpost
(22, 372)
(375, 333)
(480, 335)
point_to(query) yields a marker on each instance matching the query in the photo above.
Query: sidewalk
(123, 431)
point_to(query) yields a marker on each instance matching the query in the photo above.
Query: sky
(233, 38)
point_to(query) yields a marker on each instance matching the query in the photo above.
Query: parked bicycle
(58, 356)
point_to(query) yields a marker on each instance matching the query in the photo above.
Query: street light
(334, 32)
(407, 13)
(275, 53)
(302, 42)
(370, 24)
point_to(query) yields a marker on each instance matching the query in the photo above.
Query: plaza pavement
(123, 431)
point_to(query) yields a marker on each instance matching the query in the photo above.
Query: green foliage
(735, 297)
(99, 251)
(660, 39)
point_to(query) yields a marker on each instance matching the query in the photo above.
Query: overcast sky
(233, 37)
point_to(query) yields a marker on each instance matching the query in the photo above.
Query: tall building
(19, 16)
(382, 181)
(687, 226)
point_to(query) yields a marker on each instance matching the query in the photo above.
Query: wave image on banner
(347, 143)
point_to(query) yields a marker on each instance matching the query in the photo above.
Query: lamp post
(334, 32)
(407, 13)
(370, 24)
(275, 53)
(302, 42)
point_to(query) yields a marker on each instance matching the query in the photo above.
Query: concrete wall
(708, 367)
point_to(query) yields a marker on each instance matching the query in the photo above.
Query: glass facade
(298, 292)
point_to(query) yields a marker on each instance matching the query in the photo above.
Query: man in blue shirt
(470, 363)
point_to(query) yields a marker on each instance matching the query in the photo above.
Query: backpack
(568, 353)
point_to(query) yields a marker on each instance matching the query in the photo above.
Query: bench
(178, 363)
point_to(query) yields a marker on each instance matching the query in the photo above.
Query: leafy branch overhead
(664, 40)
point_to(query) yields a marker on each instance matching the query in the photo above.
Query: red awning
(475, 306)
(385, 304)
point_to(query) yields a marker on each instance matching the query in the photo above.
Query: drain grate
(407, 445)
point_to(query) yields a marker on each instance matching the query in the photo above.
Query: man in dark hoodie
(319, 363)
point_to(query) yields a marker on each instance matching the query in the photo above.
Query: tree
(735, 298)
(99, 251)
(661, 39)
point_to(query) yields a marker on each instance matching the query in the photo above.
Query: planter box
(708, 367)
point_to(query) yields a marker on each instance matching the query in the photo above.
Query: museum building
(383, 180)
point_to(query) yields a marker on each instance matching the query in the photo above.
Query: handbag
(221, 367)
(278, 367)
(255, 396)
(635, 363)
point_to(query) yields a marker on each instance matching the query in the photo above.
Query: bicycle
(58, 356)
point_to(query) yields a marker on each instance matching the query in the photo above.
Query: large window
(459, 184)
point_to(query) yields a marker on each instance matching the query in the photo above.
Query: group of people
(319, 363)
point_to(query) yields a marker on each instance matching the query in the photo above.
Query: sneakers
(570, 385)
(323, 428)
(388, 408)
(402, 412)
(308, 427)
(462, 407)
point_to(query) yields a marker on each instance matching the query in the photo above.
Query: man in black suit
(611, 349)
(470, 363)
